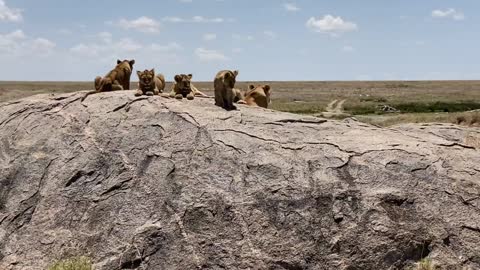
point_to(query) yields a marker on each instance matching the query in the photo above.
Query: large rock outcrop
(155, 183)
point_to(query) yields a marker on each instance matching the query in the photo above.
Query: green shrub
(419, 107)
(360, 110)
(78, 263)
(373, 99)
(416, 107)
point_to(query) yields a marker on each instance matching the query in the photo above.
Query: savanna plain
(382, 103)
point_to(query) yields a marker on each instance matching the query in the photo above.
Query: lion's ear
(235, 72)
(190, 76)
(131, 62)
(266, 88)
(177, 78)
(152, 71)
(139, 73)
(119, 61)
(251, 87)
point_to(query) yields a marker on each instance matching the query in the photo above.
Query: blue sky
(265, 40)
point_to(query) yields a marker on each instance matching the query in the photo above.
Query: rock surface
(155, 183)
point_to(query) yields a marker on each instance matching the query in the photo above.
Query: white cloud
(15, 35)
(142, 24)
(209, 37)
(9, 14)
(83, 49)
(270, 34)
(237, 50)
(17, 43)
(105, 37)
(243, 38)
(291, 7)
(173, 19)
(203, 19)
(106, 46)
(65, 31)
(194, 19)
(209, 55)
(450, 13)
(331, 25)
(348, 48)
(172, 46)
(42, 46)
(128, 45)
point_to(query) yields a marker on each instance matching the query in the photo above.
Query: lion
(238, 95)
(258, 96)
(224, 84)
(149, 84)
(183, 88)
(116, 79)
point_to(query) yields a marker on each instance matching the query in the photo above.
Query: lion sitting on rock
(150, 84)
(117, 79)
(183, 88)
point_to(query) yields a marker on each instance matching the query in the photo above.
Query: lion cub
(224, 84)
(149, 84)
(183, 88)
(257, 96)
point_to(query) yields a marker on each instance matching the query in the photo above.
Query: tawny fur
(150, 84)
(117, 79)
(239, 95)
(257, 96)
(224, 84)
(183, 88)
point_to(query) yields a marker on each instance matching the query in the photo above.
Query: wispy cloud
(348, 49)
(170, 47)
(242, 37)
(206, 55)
(270, 34)
(142, 24)
(9, 14)
(209, 37)
(17, 43)
(331, 25)
(194, 19)
(292, 7)
(450, 13)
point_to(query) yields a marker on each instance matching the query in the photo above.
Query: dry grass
(439, 101)
(461, 118)
(425, 264)
(79, 263)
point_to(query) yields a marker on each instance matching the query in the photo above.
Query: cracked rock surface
(155, 183)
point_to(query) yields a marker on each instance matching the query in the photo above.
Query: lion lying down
(258, 96)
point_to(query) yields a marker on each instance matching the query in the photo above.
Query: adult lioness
(257, 96)
(117, 79)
